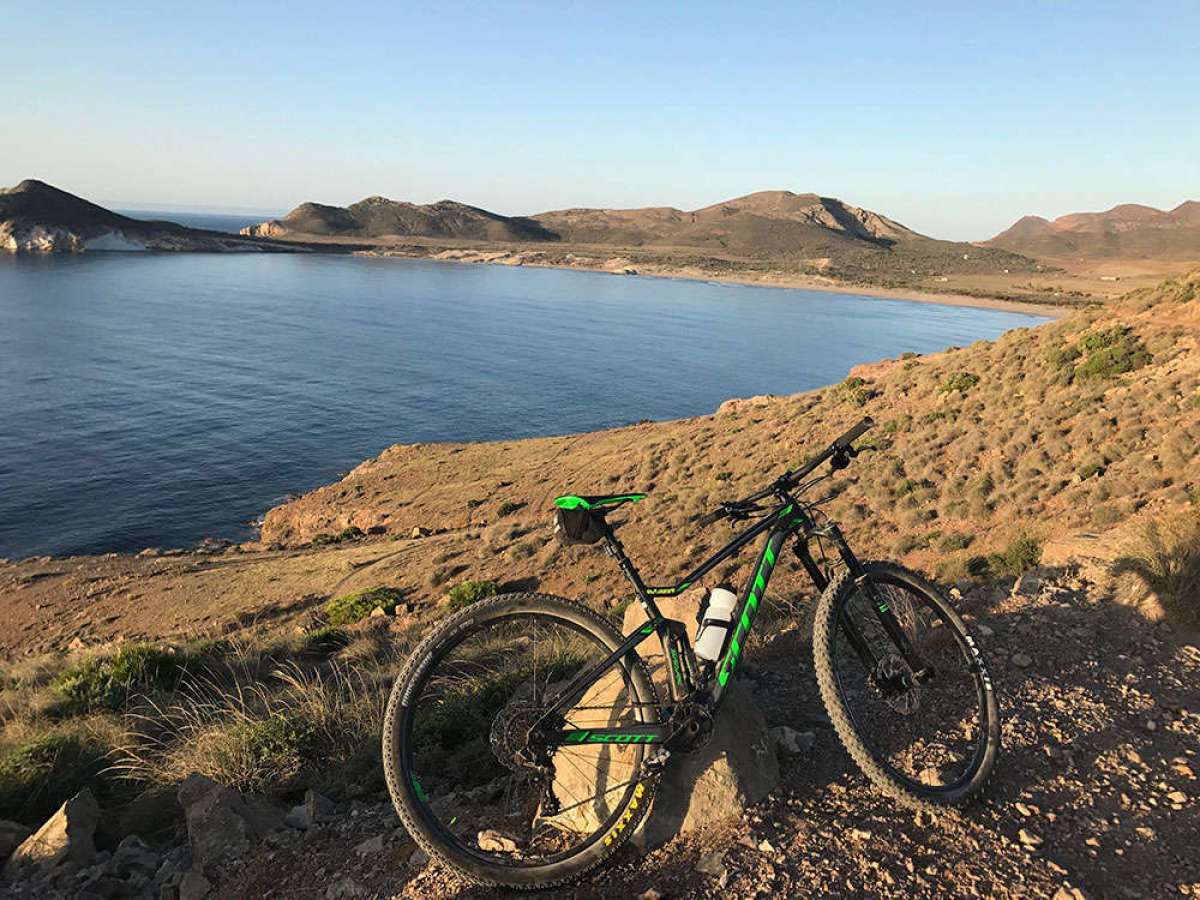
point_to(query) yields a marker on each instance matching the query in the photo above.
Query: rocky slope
(38, 218)
(379, 216)
(1128, 231)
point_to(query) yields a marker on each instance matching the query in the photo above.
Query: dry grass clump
(260, 737)
(1165, 554)
(268, 714)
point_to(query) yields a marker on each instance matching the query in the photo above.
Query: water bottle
(714, 625)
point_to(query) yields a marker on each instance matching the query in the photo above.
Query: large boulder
(66, 839)
(737, 767)
(223, 824)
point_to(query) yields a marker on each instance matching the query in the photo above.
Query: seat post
(614, 548)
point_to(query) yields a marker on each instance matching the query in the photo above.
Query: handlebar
(839, 451)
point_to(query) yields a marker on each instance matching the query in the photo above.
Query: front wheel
(927, 737)
(469, 754)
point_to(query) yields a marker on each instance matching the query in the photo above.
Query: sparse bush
(961, 568)
(955, 542)
(507, 508)
(108, 681)
(857, 390)
(266, 738)
(1165, 555)
(469, 592)
(961, 382)
(351, 608)
(38, 774)
(352, 533)
(1021, 555)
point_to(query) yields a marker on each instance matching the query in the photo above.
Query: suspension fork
(883, 611)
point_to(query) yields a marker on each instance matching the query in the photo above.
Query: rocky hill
(379, 216)
(767, 222)
(804, 230)
(1128, 231)
(38, 218)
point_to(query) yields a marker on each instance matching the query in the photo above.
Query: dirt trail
(1095, 794)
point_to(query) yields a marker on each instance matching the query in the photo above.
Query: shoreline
(518, 259)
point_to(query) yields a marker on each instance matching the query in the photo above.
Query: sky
(953, 118)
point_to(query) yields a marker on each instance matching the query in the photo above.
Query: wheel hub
(895, 683)
(510, 736)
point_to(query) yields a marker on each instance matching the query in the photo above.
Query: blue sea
(155, 399)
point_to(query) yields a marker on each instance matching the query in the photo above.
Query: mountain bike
(524, 737)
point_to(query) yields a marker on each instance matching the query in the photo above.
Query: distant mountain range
(777, 229)
(38, 218)
(1128, 231)
(793, 231)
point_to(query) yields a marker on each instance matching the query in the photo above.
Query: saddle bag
(578, 526)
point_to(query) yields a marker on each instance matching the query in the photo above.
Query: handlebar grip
(708, 518)
(857, 431)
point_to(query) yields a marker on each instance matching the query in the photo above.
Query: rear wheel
(470, 766)
(930, 738)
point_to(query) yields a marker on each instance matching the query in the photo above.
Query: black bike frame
(686, 683)
(779, 524)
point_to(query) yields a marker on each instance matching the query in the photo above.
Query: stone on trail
(736, 768)
(223, 824)
(67, 838)
(315, 808)
(791, 741)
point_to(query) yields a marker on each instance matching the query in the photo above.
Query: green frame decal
(750, 608)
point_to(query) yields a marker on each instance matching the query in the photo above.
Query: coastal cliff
(38, 218)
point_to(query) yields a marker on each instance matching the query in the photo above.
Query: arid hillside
(1077, 424)
(1128, 231)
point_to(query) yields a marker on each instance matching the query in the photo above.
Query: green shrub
(1091, 469)
(107, 682)
(463, 595)
(277, 747)
(1062, 356)
(351, 608)
(352, 533)
(956, 542)
(1111, 352)
(857, 390)
(1021, 555)
(323, 641)
(961, 382)
(507, 508)
(39, 775)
